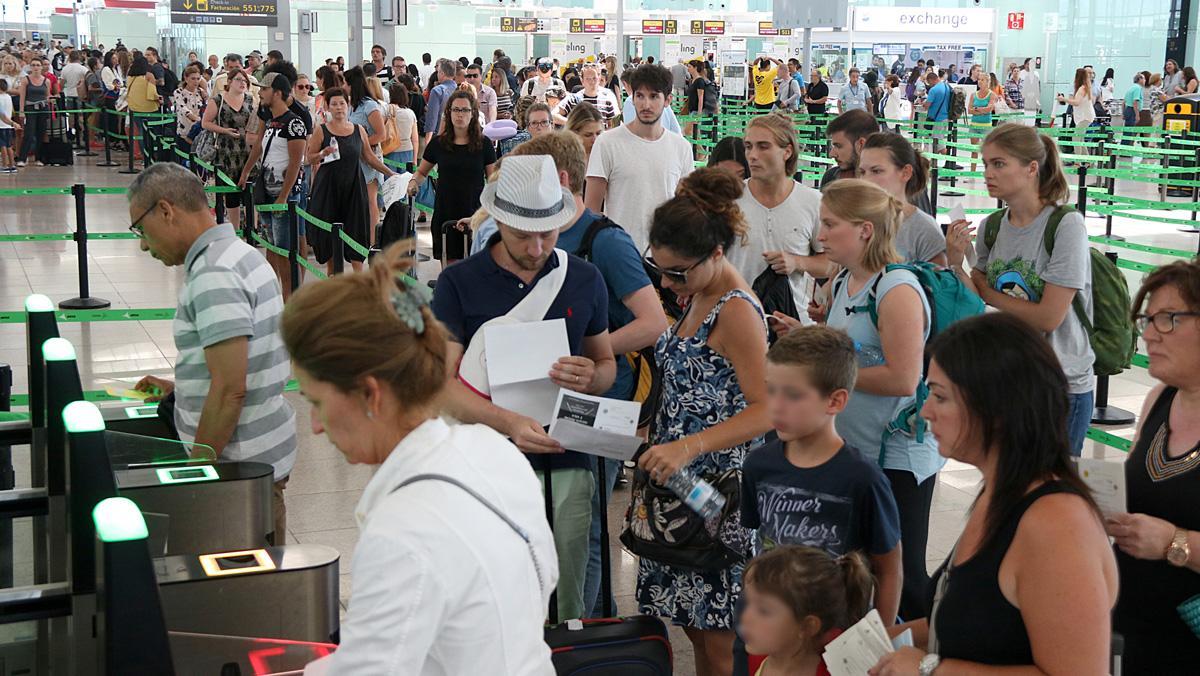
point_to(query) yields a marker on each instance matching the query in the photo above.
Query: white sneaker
(40, 163)
(21, 163)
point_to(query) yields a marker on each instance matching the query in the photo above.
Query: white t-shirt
(792, 227)
(405, 119)
(72, 75)
(6, 109)
(425, 71)
(641, 175)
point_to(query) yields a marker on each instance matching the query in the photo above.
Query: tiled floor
(324, 489)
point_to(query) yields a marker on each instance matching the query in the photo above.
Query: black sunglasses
(136, 227)
(676, 276)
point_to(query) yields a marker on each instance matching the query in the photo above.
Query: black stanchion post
(251, 215)
(1104, 414)
(108, 160)
(1081, 197)
(339, 250)
(294, 244)
(1111, 183)
(7, 482)
(131, 141)
(84, 301)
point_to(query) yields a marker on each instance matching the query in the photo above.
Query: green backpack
(1112, 335)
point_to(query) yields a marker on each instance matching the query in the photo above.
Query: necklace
(1160, 467)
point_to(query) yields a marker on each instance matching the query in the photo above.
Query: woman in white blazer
(453, 572)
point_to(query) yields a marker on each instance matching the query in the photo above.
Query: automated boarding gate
(85, 629)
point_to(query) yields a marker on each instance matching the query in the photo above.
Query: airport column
(308, 25)
(354, 33)
(279, 36)
(384, 18)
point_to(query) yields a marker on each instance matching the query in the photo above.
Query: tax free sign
(924, 20)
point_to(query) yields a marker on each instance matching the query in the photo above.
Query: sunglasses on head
(676, 276)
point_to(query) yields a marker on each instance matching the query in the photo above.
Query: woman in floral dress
(713, 402)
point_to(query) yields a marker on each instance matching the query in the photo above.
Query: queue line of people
(828, 393)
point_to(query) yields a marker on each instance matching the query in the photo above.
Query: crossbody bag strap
(534, 306)
(521, 532)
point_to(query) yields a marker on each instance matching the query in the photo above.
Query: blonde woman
(1081, 108)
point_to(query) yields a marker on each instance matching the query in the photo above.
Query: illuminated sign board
(768, 28)
(708, 27)
(587, 25)
(519, 24)
(224, 12)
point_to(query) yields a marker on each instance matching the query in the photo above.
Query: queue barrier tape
(327, 227)
(1144, 248)
(101, 395)
(268, 246)
(317, 272)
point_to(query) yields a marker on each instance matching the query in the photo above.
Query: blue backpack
(949, 301)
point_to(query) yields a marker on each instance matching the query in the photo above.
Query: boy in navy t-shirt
(807, 487)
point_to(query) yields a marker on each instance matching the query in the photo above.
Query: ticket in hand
(957, 213)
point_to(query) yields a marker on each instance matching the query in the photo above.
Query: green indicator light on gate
(38, 303)
(118, 520)
(181, 475)
(58, 349)
(82, 416)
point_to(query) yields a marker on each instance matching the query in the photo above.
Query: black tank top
(1156, 639)
(974, 621)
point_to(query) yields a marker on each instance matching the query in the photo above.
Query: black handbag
(660, 527)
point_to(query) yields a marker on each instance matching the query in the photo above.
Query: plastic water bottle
(696, 493)
(868, 356)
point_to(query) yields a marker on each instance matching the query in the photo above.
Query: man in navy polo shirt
(530, 207)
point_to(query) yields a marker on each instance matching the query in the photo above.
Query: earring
(370, 415)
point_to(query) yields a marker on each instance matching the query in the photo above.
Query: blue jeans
(592, 604)
(277, 225)
(1130, 116)
(1079, 417)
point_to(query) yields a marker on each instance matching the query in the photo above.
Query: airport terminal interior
(584, 359)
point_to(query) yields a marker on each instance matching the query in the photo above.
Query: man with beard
(522, 266)
(637, 166)
(847, 135)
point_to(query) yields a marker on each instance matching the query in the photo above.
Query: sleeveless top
(36, 94)
(1165, 488)
(974, 621)
(976, 102)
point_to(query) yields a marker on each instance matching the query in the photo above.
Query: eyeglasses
(539, 124)
(1164, 322)
(136, 227)
(307, 87)
(464, 111)
(473, 76)
(676, 276)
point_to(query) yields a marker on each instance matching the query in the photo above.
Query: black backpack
(775, 294)
(647, 378)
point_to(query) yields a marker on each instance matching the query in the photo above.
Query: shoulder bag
(472, 370)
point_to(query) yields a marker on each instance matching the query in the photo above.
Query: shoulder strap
(585, 246)
(1048, 237)
(534, 306)
(991, 228)
(521, 532)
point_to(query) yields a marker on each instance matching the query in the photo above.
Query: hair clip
(408, 302)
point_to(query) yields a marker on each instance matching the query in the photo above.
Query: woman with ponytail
(713, 410)
(798, 599)
(1015, 272)
(858, 230)
(435, 565)
(892, 163)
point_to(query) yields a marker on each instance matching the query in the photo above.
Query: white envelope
(859, 648)
(519, 358)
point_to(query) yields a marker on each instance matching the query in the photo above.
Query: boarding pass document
(859, 648)
(1107, 481)
(519, 358)
(596, 425)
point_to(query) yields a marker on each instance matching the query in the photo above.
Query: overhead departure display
(224, 12)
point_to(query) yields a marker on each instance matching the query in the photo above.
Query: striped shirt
(604, 101)
(229, 291)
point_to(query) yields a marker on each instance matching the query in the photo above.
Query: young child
(796, 600)
(7, 125)
(808, 487)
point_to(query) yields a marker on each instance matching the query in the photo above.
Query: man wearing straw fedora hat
(521, 277)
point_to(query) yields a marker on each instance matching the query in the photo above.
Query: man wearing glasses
(485, 94)
(537, 123)
(229, 308)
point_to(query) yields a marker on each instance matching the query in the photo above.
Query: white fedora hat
(527, 196)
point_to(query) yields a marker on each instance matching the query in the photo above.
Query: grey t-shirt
(920, 238)
(1019, 266)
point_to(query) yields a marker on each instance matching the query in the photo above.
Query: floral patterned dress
(700, 389)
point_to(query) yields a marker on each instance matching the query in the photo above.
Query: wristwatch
(929, 664)
(1179, 552)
